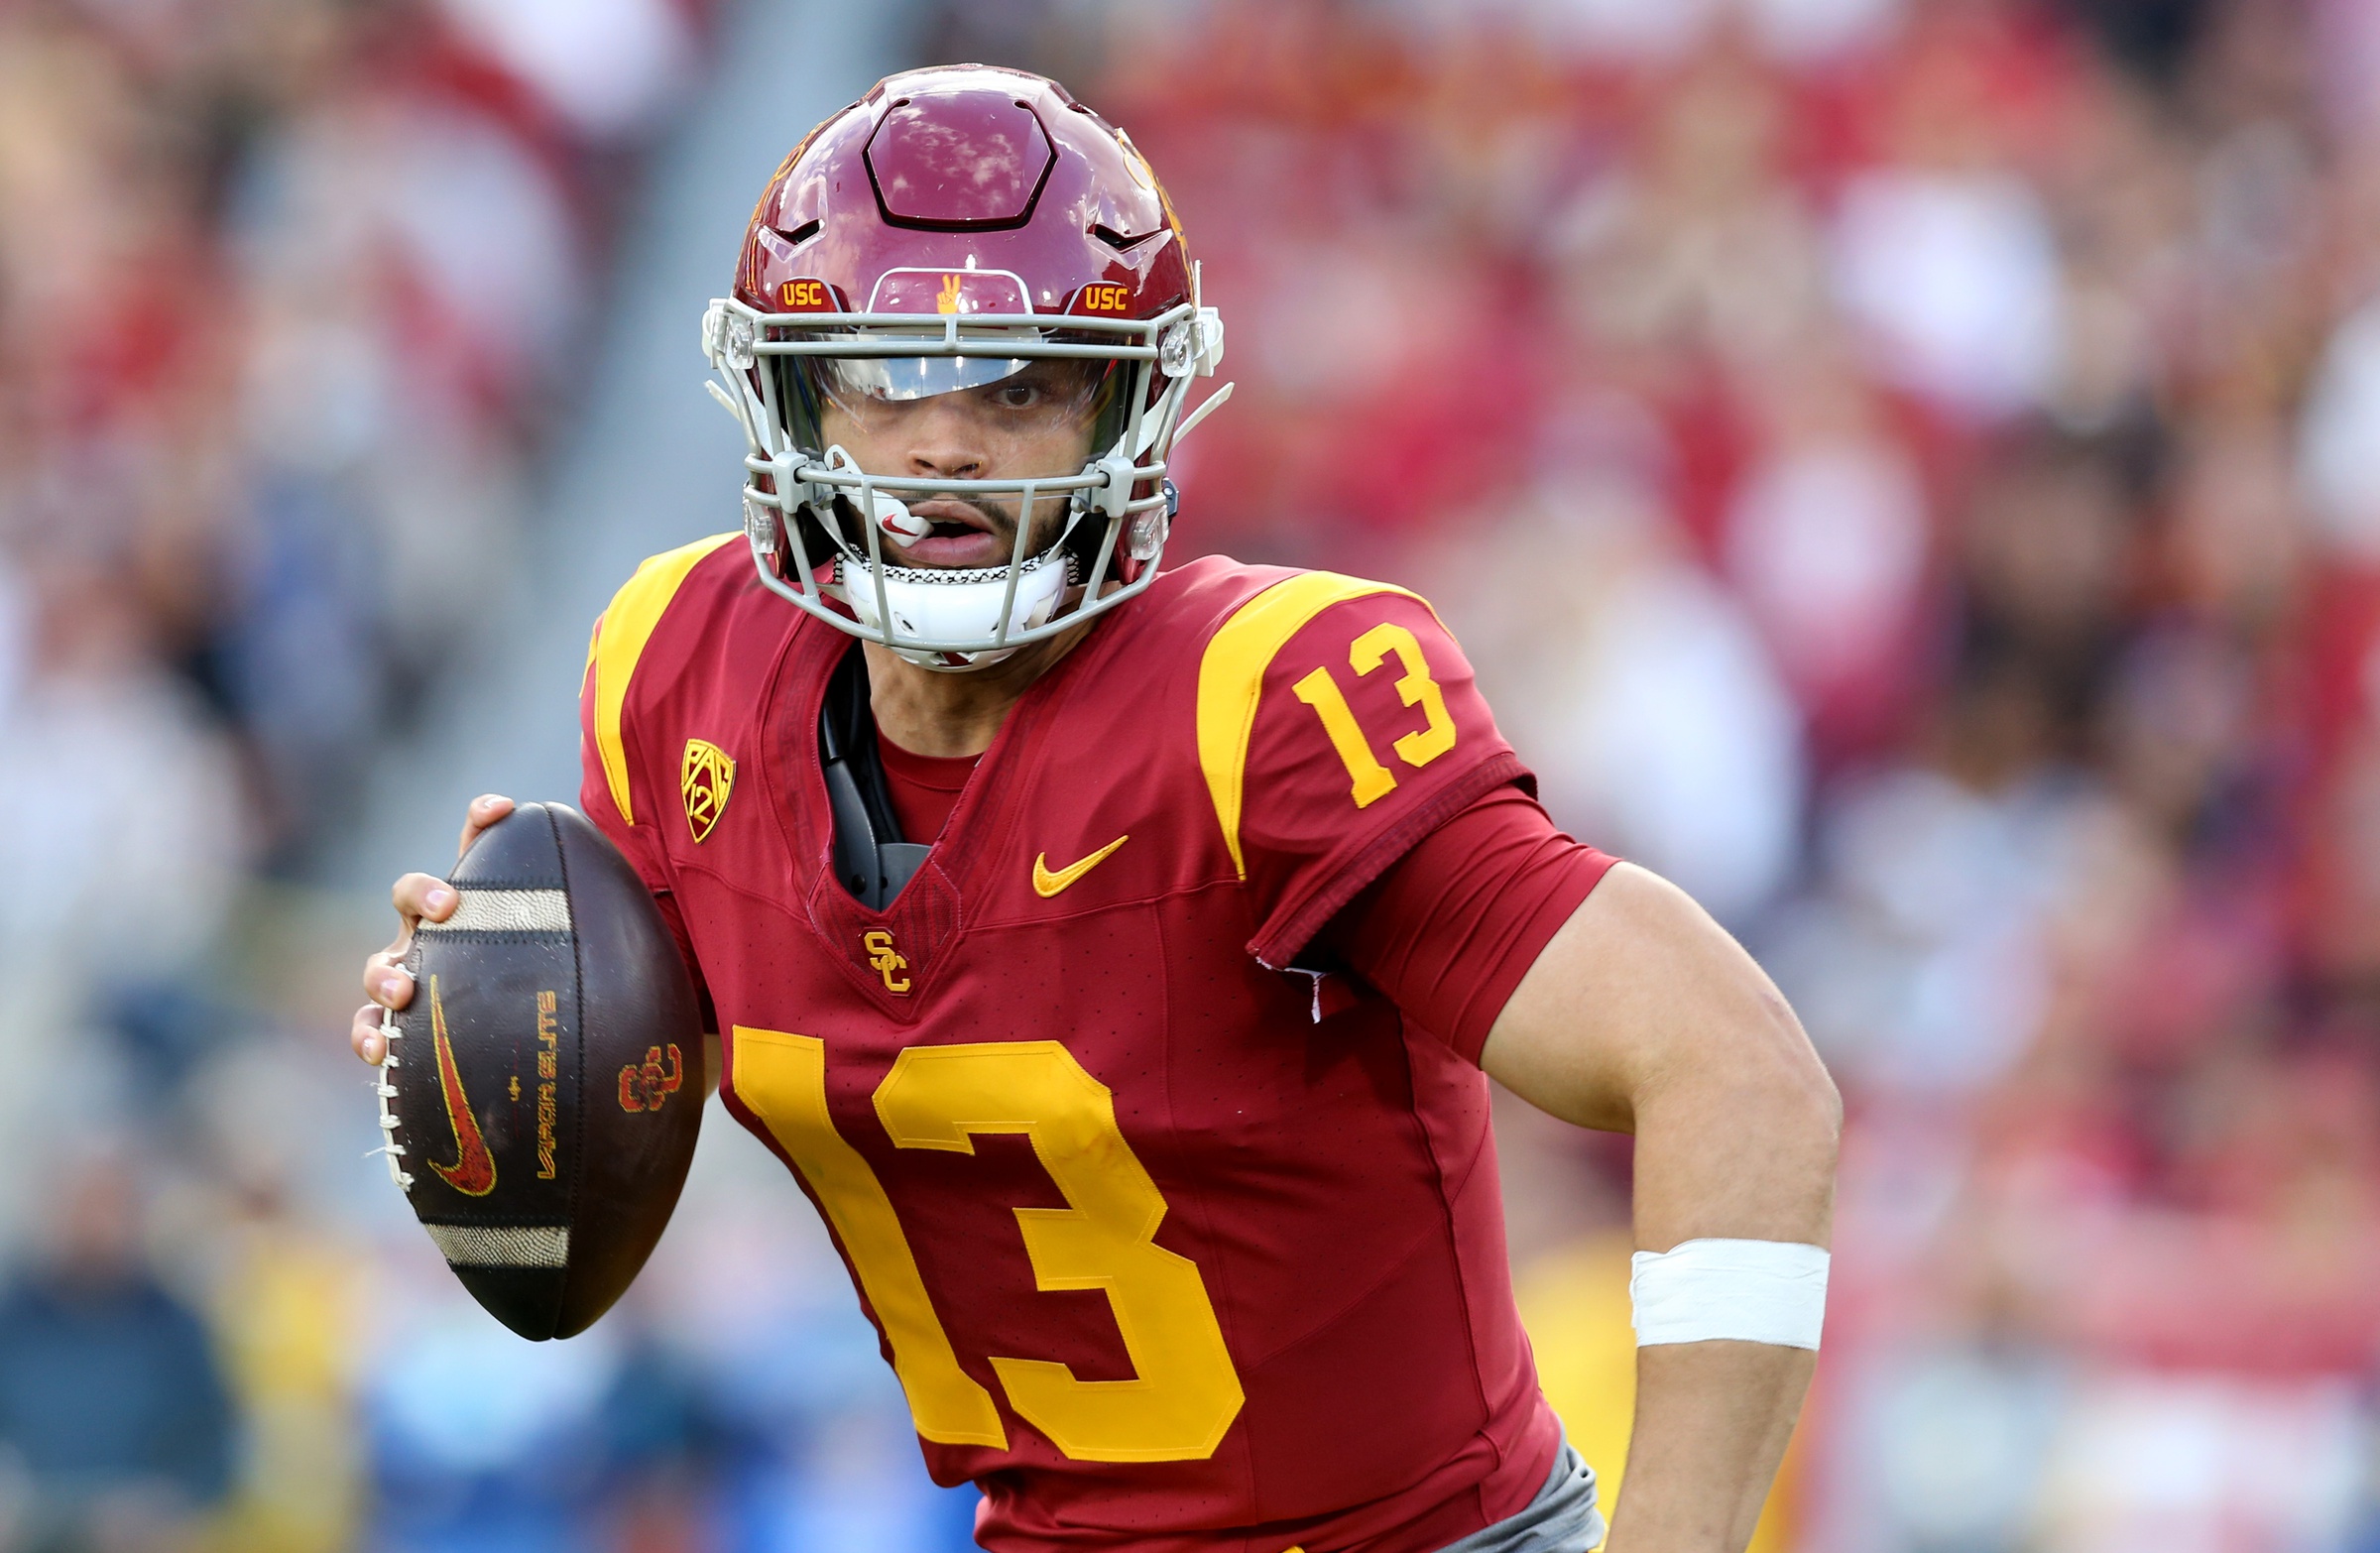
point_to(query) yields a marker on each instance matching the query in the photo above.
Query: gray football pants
(1562, 1519)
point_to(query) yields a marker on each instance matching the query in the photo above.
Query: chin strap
(871, 861)
(1208, 406)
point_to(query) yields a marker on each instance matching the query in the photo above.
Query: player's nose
(945, 444)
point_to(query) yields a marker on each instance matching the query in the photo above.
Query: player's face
(1035, 419)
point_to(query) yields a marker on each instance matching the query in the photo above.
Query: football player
(1118, 954)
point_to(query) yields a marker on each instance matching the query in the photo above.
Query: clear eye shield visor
(1009, 400)
(820, 522)
(900, 380)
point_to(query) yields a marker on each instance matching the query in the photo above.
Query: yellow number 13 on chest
(1371, 779)
(1185, 1392)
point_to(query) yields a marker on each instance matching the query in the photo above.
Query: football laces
(391, 1148)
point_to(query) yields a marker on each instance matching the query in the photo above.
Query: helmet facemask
(808, 504)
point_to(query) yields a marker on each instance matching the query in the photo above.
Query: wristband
(1750, 1291)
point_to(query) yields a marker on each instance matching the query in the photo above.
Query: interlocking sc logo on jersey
(887, 961)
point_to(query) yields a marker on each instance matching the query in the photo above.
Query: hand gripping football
(541, 1091)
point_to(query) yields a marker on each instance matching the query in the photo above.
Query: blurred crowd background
(1907, 469)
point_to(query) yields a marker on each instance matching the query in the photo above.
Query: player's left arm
(1642, 1016)
(1376, 815)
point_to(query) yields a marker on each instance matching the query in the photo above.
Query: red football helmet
(955, 228)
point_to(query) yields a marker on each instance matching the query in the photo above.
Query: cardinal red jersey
(1161, 1260)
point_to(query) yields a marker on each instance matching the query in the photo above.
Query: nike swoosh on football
(473, 1172)
(1047, 883)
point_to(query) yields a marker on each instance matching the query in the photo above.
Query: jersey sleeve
(1450, 929)
(614, 791)
(599, 787)
(1339, 724)
(636, 842)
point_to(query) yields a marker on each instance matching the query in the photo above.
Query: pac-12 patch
(704, 779)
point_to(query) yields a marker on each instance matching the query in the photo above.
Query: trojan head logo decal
(887, 961)
(705, 779)
(645, 1086)
(473, 1172)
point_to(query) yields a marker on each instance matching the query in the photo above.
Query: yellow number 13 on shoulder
(1369, 778)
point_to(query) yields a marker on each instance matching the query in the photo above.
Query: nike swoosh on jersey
(473, 1172)
(1047, 883)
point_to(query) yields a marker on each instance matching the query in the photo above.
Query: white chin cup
(953, 606)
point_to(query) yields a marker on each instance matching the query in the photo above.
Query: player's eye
(1013, 395)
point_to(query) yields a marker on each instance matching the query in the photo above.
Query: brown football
(542, 1091)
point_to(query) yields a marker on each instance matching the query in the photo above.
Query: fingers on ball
(485, 811)
(423, 896)
(388, 986)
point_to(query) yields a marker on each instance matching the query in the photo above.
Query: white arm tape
(1754, 1291)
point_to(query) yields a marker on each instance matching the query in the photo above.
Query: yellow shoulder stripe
(619, 638)
(1230, 679)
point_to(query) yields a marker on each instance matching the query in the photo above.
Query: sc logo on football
(647, 1085)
